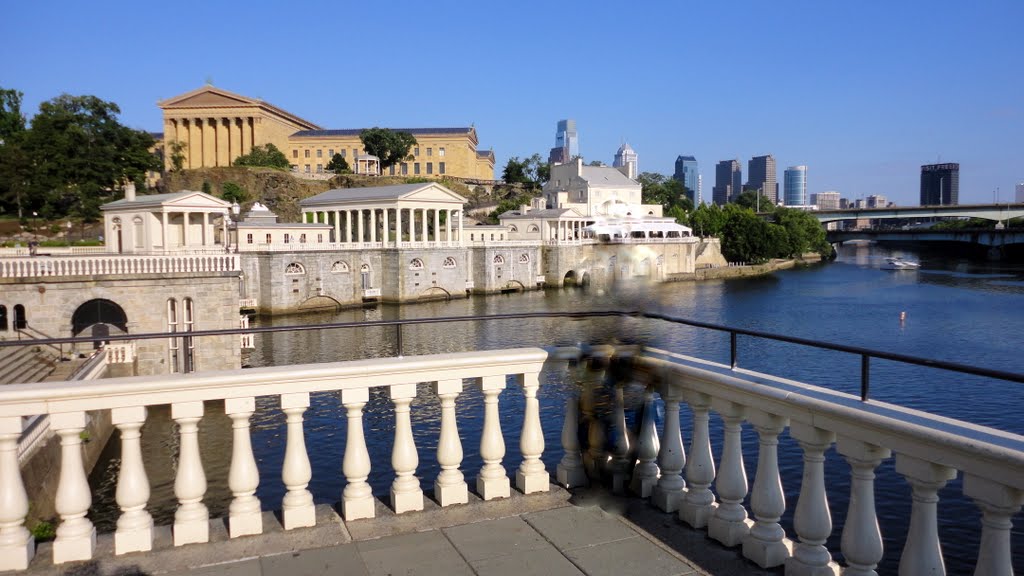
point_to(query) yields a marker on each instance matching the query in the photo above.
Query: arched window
(524, 258)
(294, 269)
(498, 259)
(188, 318)
(100, 314)
(3, 318)
(416, 264)
(173, 351)
(533, 228)
(364, 273)
(660, 261)
(512, 228)
(449, 262)
(20, 320)
(340, 267)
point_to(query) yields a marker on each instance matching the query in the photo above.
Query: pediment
(433, 193)
(208, 97)
(197, 200)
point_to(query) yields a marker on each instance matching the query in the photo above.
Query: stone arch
(294, 269)
(513, 286)
(99, 314)
(569, 279)
(585, 279)
(435, 293)
(319, 303)
(340, 267)
(533, 229)
(416, 264)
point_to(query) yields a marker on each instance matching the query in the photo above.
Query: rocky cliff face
(279, 191)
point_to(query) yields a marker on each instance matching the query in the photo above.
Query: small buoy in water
(903, 316)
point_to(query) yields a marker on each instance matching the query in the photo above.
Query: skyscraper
(625, 159)
(1020, 193)
(826, 200)
(686, 172)
(795, 186)
(728, 179)
(762, 177)
(567, 144)
(940, 184)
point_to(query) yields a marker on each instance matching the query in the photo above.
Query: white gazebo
(175, 222)
(404, 215)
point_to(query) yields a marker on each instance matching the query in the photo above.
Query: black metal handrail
(865, 353)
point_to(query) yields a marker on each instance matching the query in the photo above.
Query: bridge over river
(996, 212)
(996, 244)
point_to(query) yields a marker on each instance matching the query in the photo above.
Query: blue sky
(863, 93)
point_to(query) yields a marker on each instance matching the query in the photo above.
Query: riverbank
(727, 272)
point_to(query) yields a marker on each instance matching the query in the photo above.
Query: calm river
(955, 310)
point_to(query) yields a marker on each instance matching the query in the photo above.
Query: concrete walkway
(553, 534)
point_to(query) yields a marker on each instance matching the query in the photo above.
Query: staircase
(28, 363)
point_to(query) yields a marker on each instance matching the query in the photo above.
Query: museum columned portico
(215, 141)
(390, 216)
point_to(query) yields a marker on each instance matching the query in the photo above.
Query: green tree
(266, 156)
(232, 192)
(12, 121)
(338, 164)
(15, 167)
(509, 204)
(708, 220)
(177, 150)
(516, 171)
(389, 146)
(805, 233)
(207, 188)
(82, 155)
(745, 236)
(749, 199)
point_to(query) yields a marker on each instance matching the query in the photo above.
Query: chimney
(129, 192)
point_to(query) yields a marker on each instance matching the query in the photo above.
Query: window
(286, 239)
(340, 267)
(295, 153)
(189, 343)
(355, 152)
(533, 228)
(294, 269)
(416, 168)
(449, 262)
(392, 170)
(319, 153)
(343, 155)
(319, 238)
(302, 239)
(430, 167)
(416, 151)
(492, 236)
(306, 153)
(524, 258)
(405, 168)
(307, 167)
(319, 168)
(3, 318)
(248, 238)
(172, 326)
(498, 259)
(512, 228)
(330, 152)
(440, 167)
(269, 239)
(364, 273)
(430, 151)
(416, 264)
(440, 151)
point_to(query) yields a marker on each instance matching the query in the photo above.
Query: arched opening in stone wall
(435, 293)
(100, 315)
(320, 303)
(570, 278)
(3, 318)
(20, 319)
(585, 279)
(513, 286)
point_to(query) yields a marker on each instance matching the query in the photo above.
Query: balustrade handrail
(865, 353)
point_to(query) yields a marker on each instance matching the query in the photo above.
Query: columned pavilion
(180, 221)
(390, 216)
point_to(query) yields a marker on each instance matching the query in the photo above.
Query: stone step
(24, 364)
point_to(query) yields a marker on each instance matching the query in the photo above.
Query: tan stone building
(216, 126)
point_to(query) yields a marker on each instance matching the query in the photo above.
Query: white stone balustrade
(116, 264)
(646, 473)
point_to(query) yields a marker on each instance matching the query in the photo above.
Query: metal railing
(865, 354)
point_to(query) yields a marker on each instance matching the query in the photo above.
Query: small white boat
(897, 263)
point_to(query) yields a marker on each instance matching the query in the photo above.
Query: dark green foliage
(389, 146)
(338, 165)
(177, 150)
(532, 172)
(509, 204)
(232, 192)
(44, 531)
(80, 157)
(207, 187)
(749, 199)
(747, 237)
(670, 194)
(266, 156)
(12, 121)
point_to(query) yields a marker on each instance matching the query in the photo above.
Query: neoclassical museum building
(216, 126)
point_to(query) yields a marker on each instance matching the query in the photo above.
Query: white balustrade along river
(949, 310)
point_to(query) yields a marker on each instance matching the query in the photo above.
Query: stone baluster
(922, 553)
(531, 476)
(766, 544)
(450, 486)
(17, 546)
(594, 457)
(812, 519)
(998, 504)
(76, 536)
(646, 473)
(570, 472)
(861, 540)
(135, 525)
(191, 520)
(621, 461)
(357, 498)
(492, 482)
(729, 525)
(406, 494)
(699, 502)
(297, 506)
(244, 514)
(672, 456)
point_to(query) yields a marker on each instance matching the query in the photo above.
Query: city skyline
(865, 117)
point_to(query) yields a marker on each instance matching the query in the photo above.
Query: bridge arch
(513, 286)
(319, 303)
(435, 293)
(99, 314)
(569, 279)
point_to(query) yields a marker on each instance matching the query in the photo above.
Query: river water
(956, 310)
